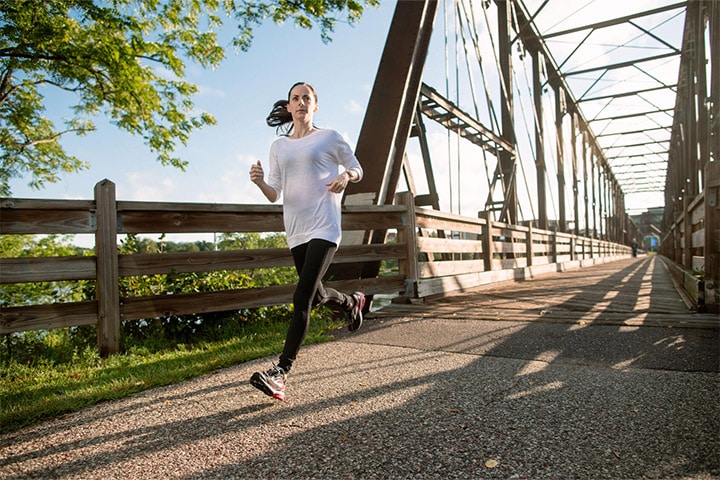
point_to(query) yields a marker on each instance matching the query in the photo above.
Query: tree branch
(52, 138)
(4, 90)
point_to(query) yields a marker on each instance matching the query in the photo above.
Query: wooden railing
(454, 252)
(692, 244)
(437, 253)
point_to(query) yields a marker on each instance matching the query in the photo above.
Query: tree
(124, 59)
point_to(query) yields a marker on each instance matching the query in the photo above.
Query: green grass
(47, 388)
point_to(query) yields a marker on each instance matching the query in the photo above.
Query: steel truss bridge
(553, 126)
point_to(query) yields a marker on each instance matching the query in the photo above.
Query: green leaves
(124, 60)
(303, 13)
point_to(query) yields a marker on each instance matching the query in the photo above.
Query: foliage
(20, 246)
(124, 60)
(183, 328)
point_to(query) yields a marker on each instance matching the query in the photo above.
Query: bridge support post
(540, 169)
(507, 159)
(408, 235)
(712, 237)
(712, 169)
(487, 239)
(687, 251)
(529, 245)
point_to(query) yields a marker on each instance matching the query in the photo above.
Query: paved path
(600, 373)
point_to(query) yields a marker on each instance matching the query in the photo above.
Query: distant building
(648, 224)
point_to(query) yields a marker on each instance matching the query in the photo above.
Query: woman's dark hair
(279, 117)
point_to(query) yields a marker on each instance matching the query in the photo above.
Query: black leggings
(312, 260)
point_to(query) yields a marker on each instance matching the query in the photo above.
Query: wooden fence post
(488, 244)
(408, 235)
(529, 246)
(107, 291)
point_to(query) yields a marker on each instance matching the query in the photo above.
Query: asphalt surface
(416, 397)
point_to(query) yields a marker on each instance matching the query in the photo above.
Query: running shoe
(271, 383)
(355, 315)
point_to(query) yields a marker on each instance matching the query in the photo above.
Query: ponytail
(280, 118)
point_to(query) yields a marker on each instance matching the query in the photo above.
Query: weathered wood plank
(448, 245)
(445, 268)
(252, 220)
(45, 204)
(46, 269)
(54, 315)
(167, 305)
(159, 221)
(186, 262)
(45, 221)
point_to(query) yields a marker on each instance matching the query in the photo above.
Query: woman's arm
(257, 176)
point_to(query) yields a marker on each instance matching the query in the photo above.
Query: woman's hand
(339, 183)
(257, 174)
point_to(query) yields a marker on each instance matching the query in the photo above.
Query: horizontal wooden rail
(436, 253)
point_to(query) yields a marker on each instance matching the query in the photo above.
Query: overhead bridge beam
(616, 21)
(639, 114)
(641, 144)
(629, 94)
(438, 108)
(630, 132)
(615, 66)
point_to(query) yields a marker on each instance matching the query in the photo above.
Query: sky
(240, 93)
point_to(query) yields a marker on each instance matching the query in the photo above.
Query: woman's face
(302, 104)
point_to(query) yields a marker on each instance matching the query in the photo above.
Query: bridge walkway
(599, 373)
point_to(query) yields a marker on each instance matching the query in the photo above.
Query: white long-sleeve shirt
(300, 170)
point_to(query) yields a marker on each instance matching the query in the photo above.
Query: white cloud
(354, 108)
(209, 91)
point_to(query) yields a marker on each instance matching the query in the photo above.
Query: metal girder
(641, 144)
(432, 199)
(629, 63)
(631, 132)
(388, 119)
(634, 173)
(632, 166)
(507, 167)
(616, 21)
(438, 108)
(614, 164)
(627, 94)
(631, 115)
